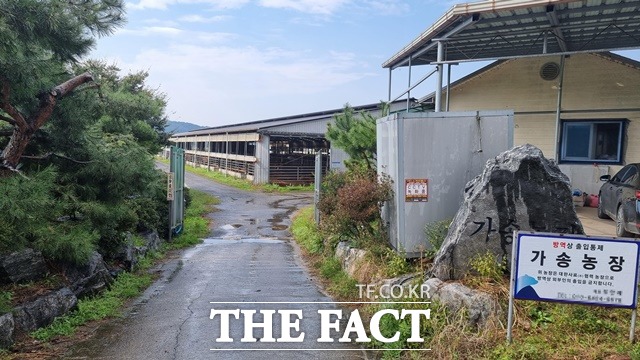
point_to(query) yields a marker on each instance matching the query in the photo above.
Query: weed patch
(108, 304)
(196, 225)
(305, 231)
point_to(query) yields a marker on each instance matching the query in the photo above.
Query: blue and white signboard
(575, 269)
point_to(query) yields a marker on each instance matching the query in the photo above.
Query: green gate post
(175, 193)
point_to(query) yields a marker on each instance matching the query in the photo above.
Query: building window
(597, 141)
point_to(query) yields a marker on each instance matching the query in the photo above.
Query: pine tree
(40, 40)
(355, 133)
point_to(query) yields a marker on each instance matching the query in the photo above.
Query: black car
(620, 200)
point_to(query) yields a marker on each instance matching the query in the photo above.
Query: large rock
(151, 239)
(518, 190)
(22, 266)
(42, 311)
(349, 257)
(6, 330)
(480, 306)
(129, 252)
(89, 279)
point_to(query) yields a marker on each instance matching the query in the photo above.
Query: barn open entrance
(292, 159)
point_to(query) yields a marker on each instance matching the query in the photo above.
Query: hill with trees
(176, 127)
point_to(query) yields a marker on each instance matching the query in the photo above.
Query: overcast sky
(231, 61)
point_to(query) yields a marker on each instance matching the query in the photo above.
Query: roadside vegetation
(350, 207)
(77, 145)
(541, 331)
(129, 285)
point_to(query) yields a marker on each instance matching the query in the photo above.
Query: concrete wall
(591, 82)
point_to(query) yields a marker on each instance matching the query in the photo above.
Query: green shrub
(27, 207)
(350, 206)
(436, 232)
(396, 264)
(5, 301)
(487, 266)
(70, 243)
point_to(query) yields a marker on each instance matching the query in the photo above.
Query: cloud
(198, 79)
(201, 19)
(160, 22)
(164, 4)
(390, 7)
(152, 31)
(324, 7)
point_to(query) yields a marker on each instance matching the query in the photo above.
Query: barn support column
(438, 99)
(446, 108)
(409, 87)
(262, 160)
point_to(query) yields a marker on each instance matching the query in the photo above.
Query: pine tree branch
(5, 104)
(48, 99)
(8, 119)
(48, 155)
(6, 168)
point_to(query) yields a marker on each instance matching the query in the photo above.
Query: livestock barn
(279, 151)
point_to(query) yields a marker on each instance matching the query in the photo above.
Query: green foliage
(40, 37)
(340, 284)
(25, 206)
(487, 266)
(436, 232)
(355, 133)
(396, 264)
(71, 243)
(539, 317)
(196, 224)
(5, 301)
(305, 231)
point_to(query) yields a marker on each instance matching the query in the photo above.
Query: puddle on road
(230, 226)
(218, 241)
(279, 227)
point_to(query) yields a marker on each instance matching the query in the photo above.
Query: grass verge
(541, 331)
(196, 225)
(130, 285)
(242, 184)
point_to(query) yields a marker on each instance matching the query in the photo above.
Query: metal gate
(175, 193)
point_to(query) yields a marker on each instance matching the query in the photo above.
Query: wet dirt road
(248, 263)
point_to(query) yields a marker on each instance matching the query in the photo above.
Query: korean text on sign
(575, 269)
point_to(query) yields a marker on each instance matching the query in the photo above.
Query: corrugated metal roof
(264, 125)
(499, 29)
